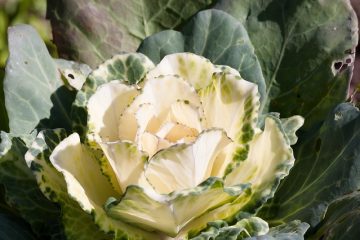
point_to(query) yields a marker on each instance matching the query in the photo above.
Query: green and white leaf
(269, 160)
(93, 31)
(193, 68)
(77, 223)
(22, 190)
(128, 68)
(327, 168)
(242, 229)
(81, 171)
(232, 104)
(215, 35)
(35, 96)
(174, 211)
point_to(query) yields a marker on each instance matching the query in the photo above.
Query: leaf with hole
(303, 48)
(35, 96)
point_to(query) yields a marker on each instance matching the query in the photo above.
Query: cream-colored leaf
(126, 161)
(127, 126)
(185, 114)
(151, 144)
(82, 174)
(163, 91)
(105, 108)
(175, 132)
(195, 69)
(165, 129)
(227, 100)
(185, 165)
(181, 123)
(146, 119)
(148, 143)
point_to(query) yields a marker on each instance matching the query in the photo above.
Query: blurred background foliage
(31, 12)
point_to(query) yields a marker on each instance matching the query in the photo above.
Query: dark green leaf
(341, 221)
(12, 228)
(93, 31)
(305, 49)
(243, 229)
(161, 44)
(22, 191)
(294, 230)
(35, 96)
(327, 167)
(252, 228)
(214, 35)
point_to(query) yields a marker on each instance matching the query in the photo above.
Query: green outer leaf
(34, 95)
(22, 191)
(77, 223)
(214, 35)
(327, 167)
(297, 43)
(294, 230)
(4, 207)
(244, 228)
(14, 228)
(129, 68)
(4, 120)
(290, 126)
(93, 31)
(157, 46)
(341, 220)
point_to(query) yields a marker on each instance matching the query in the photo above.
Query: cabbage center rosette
(179, 151)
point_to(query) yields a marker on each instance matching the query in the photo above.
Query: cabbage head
(164, 157)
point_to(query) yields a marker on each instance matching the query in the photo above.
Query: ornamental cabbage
(164, 157)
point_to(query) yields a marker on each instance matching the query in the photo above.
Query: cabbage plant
(175, 122)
